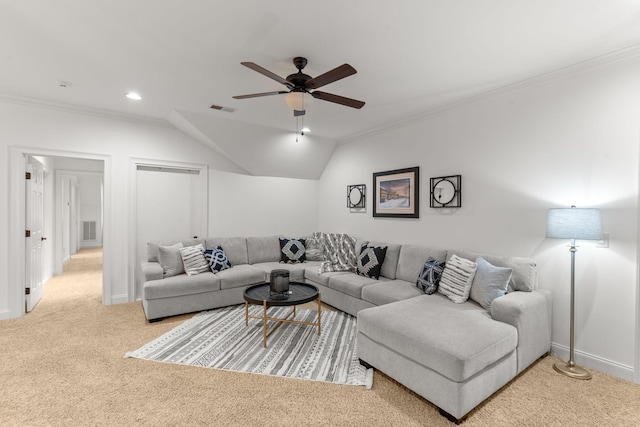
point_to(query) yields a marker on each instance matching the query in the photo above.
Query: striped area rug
(220, 339)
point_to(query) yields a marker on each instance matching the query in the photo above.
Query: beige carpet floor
(63, 365)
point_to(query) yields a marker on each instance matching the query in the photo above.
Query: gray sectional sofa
(454, 355)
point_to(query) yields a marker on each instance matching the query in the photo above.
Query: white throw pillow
(457, 278)
(170, 259)
(194, 260)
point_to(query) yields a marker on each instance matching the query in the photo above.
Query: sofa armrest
(530, 314)
(151, 271)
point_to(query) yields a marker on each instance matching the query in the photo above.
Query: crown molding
(90, 111)
(622, 55)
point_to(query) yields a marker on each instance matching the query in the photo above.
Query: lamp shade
(574, 223)
(297, 100)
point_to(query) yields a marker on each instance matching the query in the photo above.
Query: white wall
(119, 141)
(243, 205)
(573, 140)
(90, 199)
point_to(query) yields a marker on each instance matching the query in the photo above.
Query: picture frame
(396, 193)
(446, 192)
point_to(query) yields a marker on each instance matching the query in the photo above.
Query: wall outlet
(604, 243)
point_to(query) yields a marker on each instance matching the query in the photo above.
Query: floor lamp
(574, 224)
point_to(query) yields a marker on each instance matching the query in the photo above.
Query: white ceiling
(411, 55)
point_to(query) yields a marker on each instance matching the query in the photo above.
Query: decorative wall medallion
(396, 193)
(356, 196)
(446, 192)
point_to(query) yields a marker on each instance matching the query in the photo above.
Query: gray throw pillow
(170, 259)
(489, 283)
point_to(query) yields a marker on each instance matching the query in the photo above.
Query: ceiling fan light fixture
(297, 100)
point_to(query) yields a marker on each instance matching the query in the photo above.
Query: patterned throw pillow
(370, 261)
(457, 278)
(217, 259)
(315, 248)
(430, 275)
(193, 259)
(292, 251)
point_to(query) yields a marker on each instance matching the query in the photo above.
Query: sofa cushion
(217, 259)
(296, 271)
(239, 276)
(457, 278)
(312, 274)
(489, 283)
(524, 276)
(351, 284)
(390, 291)
(292, 251)
(194, 260)
(455, 340)
(390, 264)
(263, 249)
(412, 259)
(370, 261)
(430, 275)
(170, 260)
(152, 247)
(180, 285)
(234, 247)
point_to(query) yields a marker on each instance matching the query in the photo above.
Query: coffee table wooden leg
(319, 312)
(264, 324)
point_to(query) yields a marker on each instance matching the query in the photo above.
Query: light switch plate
(604, 243)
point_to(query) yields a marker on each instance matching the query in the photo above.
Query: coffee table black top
(300, 294)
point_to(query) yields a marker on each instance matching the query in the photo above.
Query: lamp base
(572, 370)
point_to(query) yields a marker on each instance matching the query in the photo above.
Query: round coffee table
(299, 293)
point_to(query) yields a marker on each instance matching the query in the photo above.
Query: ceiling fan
(300, 83)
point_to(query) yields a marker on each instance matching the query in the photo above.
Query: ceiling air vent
(221, 108)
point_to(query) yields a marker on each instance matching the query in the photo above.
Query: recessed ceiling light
(306, 130)
(133, 95)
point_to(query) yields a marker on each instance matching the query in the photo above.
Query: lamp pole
(570, 368)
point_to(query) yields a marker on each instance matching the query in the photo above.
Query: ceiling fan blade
(264, 71)
(256, 95)
(354, 103)
(345, 70)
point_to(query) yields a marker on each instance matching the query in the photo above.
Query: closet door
(168, 207)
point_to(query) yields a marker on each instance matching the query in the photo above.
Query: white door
(34, 224)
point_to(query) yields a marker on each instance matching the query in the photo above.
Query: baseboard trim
(5, 314)
(595, 362)
(119, 299)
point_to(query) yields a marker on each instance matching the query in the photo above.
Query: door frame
(17, 212)
(203, 173)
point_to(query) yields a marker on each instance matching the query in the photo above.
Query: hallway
(80, 282)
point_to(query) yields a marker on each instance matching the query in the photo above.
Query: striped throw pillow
(194, 260)
(457, 279)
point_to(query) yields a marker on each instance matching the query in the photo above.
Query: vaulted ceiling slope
(412, 56)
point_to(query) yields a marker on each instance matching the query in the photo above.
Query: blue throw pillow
(430, 275)
(217, 259)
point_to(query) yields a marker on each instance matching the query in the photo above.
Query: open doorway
(73, 197)
(72, 217)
